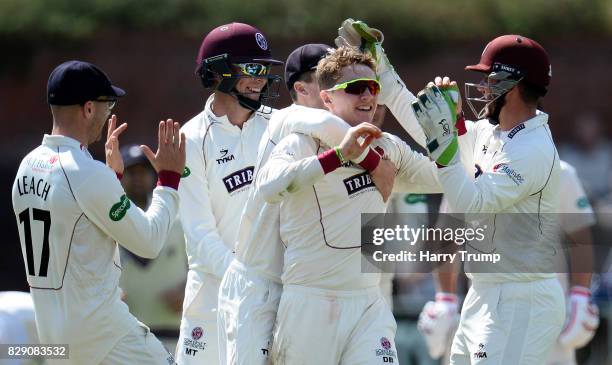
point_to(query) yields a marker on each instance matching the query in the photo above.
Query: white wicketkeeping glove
(357, 34)
(582, 319)
(437, 323)
(435, 110)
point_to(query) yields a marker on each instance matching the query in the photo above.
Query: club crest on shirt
(186, 172)
(239, 179)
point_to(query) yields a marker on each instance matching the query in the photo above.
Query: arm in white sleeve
(516, 175)
(396, 96)
(292, 166)
(416, 173)
(319, 124)
(103, 200)
(197, 219)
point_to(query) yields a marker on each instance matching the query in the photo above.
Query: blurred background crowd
(149, 48)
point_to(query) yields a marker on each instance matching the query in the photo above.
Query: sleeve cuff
(371, 161)
(170, 179)
(329, 161)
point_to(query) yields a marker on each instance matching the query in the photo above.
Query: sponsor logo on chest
(224, 157)
(357, 183)
(238, 179)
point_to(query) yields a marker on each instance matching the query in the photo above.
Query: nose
(366, 95)
(260, 81)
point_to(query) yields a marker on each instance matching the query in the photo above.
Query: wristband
(170, 179)
(371, 161)
(119, 176)
(339, 154)
(329, 161)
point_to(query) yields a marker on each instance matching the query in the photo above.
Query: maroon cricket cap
(517, 52)
(242, 43)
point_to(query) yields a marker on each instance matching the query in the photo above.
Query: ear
(88, 110)
(299, 88)
(326, 97)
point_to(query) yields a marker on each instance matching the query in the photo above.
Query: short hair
(329, 69)
(304, 77)
(530, 93)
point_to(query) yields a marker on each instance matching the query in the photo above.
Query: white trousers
(248, 303)
(198, 339)
(512, 323)
(139, 346)
(330, 327)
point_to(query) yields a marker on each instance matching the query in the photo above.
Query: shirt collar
(223, 119)
(59, 140)
(538, 120)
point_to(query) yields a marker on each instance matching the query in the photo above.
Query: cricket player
(576, 215)
(250, 290)
(234, 61)
(576, 218)
(508, 317)
(71, 211)
(321, 198)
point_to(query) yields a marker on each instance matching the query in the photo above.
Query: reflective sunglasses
(358, 86)
(111, 102)
(253, 69)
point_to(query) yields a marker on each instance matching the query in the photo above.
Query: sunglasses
(358, 86)
(254, 69)
(111, 102)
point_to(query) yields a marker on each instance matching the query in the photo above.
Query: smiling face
(354, 109)
(251, 87)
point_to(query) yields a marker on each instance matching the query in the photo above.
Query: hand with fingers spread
(357, 141)
(111, 147)
(170, 155)
(436, 113)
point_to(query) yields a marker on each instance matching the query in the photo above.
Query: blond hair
(329, 69)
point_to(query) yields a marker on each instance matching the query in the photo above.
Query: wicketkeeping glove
(582, 320)
(357, 34)
(436, 113)
(437, 323)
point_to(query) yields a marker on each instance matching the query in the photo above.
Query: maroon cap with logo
(242, 43)
(516, 52)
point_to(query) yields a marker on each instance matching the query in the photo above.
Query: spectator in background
(153, 288)
(590, 152)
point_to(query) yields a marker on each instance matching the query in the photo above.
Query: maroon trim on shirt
(329, 161)
(170, 179)
(371, 161)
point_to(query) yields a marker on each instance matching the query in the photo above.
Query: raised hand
(358, 139)
(451, 89)
(111, 147)
(170, 155)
